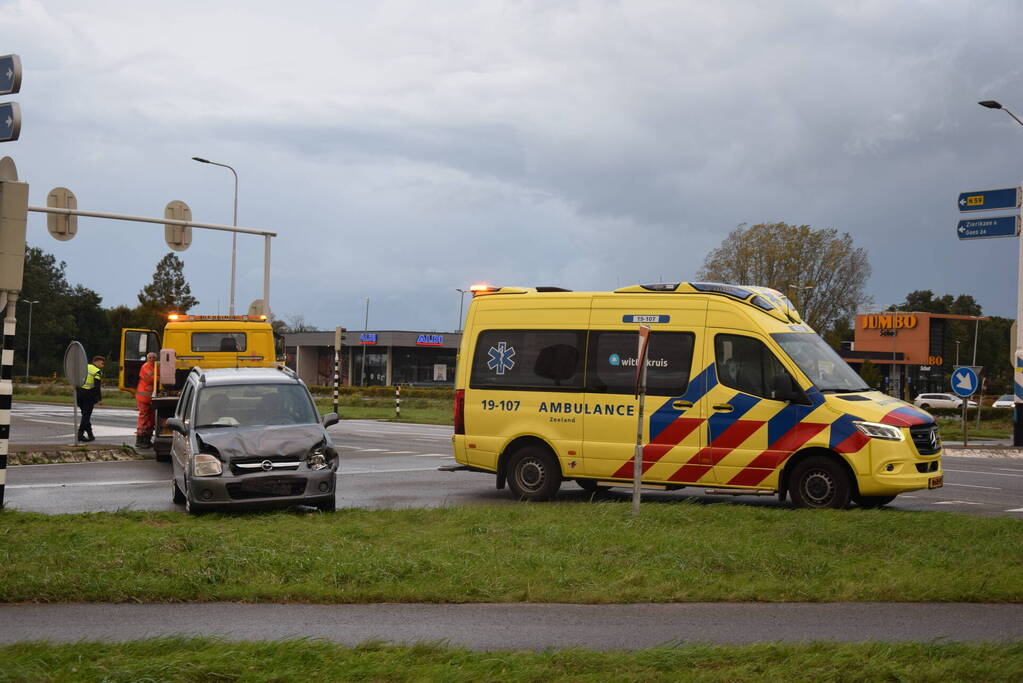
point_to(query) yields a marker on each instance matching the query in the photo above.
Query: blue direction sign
(989, 200)
(10, 74)
(964, 381)
(10, 121)
(983, 228)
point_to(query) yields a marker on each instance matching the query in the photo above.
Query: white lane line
(974, 486)
(956, 502)
(407, 469)
(990, 474)
(1015, 510)
(434, 455)
(90, 483)
(371, 450)
(398, 452)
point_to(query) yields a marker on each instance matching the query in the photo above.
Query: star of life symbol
(501, 358)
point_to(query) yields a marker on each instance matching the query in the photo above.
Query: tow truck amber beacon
(743, 397)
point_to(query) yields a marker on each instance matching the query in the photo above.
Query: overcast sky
(401, 150)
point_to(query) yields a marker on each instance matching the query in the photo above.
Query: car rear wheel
(820, 482)
(534, 474)
(925, 406)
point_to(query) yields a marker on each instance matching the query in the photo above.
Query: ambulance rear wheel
(534, 474)
(820, 482)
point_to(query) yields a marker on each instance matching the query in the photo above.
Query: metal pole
(1017, 373)
(461, 301)
(7, 300)
(365, 328)
(337, 363)
(144, 219)
(28, 347)
(266, 277)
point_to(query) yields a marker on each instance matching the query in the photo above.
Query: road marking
(974, 486)
(399, 452)
(434, 455)
(91, 483)
(1015, 510)
(993, 474)
(956, 502)
(408, 469)
(371, 450)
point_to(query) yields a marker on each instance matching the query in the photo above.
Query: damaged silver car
(251, 437)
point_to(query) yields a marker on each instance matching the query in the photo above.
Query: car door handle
(682, 405)
(724, 407)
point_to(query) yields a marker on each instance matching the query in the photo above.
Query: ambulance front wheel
(534, 474)
(820, 482)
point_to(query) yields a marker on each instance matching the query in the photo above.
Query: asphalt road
(392, 465)
(522, 626)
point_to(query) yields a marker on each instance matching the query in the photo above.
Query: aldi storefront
(385, 357)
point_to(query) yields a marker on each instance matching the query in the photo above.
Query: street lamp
(28, 348)
(1017, 431)
(234, 235)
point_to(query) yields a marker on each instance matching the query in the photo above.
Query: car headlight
(317, 458)
(876, 430)
(206, 465)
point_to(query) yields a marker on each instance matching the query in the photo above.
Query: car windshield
(253, 405)
(819, 362)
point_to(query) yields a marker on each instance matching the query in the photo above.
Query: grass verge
(203, 659)
(564, 552)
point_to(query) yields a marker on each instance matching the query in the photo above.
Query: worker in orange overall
(144, 402)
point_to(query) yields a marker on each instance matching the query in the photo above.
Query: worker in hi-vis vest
(88, 395)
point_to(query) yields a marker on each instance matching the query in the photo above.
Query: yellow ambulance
(743, 397)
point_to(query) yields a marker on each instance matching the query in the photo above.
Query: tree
(168, 292)
(821, 271)
(870, 374)
(63, 313)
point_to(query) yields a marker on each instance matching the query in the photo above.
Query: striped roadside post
(8, 299)
(337, 363)
(397, 401)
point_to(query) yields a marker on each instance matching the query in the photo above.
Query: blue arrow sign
(10, 74)
(983, 228)
(10, 121)
(964, 382)
(989, 200)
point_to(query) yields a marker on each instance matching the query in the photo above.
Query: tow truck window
(206, 342)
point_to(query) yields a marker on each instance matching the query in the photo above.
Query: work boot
(140, 441)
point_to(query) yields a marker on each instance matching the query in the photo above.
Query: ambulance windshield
(820, 363)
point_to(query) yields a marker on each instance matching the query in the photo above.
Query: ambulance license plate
(936, 482)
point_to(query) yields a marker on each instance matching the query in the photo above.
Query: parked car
(926, 401)
(1004, 401)
(250, 437)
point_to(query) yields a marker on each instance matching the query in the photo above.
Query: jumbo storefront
(909, 349)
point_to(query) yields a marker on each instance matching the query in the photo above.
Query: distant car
(250, 437)
(1004, 401)
(926, 401)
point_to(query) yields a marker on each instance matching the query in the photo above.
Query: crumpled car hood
(262, 442)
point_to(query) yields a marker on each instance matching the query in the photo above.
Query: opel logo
(266, 465)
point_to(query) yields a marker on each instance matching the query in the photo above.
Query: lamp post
(1017, 375)
(28, 348)
(234, 235)
(365, 328)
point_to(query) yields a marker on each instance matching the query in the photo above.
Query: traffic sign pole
(1017, 370)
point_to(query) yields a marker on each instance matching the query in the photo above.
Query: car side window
(746, 364)
(185, 403)
(529, 360)
(613, 362)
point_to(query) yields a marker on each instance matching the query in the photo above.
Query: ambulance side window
(612, 368)
(529, 360)
(746, 364)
